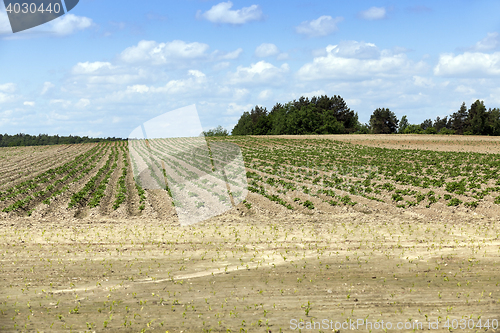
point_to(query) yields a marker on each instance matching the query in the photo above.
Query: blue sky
(109, 66)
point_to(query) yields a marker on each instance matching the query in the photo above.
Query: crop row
(94, 182)
(122, 187)
(404, 177)
(70, 169)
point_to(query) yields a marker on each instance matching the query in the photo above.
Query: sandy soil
(472, 143)
(257, 269)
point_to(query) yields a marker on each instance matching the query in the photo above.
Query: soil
(256, 268)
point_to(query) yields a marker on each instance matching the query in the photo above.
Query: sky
(107, 67)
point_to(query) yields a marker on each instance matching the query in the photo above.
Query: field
(372, 233)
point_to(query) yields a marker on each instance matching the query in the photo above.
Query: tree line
(331, 115)
(320, 115)
(22, 139)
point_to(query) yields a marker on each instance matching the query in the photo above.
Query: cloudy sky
(109, 66)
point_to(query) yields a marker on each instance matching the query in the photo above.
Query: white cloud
(69, 23)
(82, 103)
(163, 53)
(266, 50)
(265, 94)
(374, 13)
(222, 13)
(490, 42)
(234, 108)
(423, 81)
(465, 90)
(90, 67)
(232, 55)
(116, 120)
(5, 98)
(221, 65)
(322, 26)
(28, 103)
(8, 87)
(196, 73)
(138, 88)
(240, 93)
(46, 87)
(316, 93)
(194, 84)
(353, 49)
(261, 72)
(354, 61)
(468, 65)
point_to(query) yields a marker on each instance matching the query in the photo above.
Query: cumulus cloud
(69, 23)
(221, 65)
(261, 72)
(353, 60)
(322, 26)
(468, 64)
(489, 43)
(266, 50)
(62, 26)
(465, 90)
(5, 98)
(29, 103)
(82, 103)
(163, 53)
(138, 88)
(423, 82)
(83, 68)
(46, 87)
(374, 13)
(8, 87)
(265, 94)
(354, 49)
(196, 73)
(232, 55)
(222, 13)
(196, 82)
(234, 108)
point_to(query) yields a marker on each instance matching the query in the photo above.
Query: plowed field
(336, 233)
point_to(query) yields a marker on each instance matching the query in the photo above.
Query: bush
(218, 131)
(446, 131)
(430, 130)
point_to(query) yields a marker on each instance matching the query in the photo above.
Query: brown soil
(258, 269)
(471, 143)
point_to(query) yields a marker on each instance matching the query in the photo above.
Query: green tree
(426, 124)
(403, 124)
(493, 123)
(218, 131)
(459, 119)
(478, 118)
(383, 121)
(413, 129)
(244, 125)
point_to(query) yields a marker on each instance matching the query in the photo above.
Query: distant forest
(44, 140)
(320, 115)
(331, 115)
